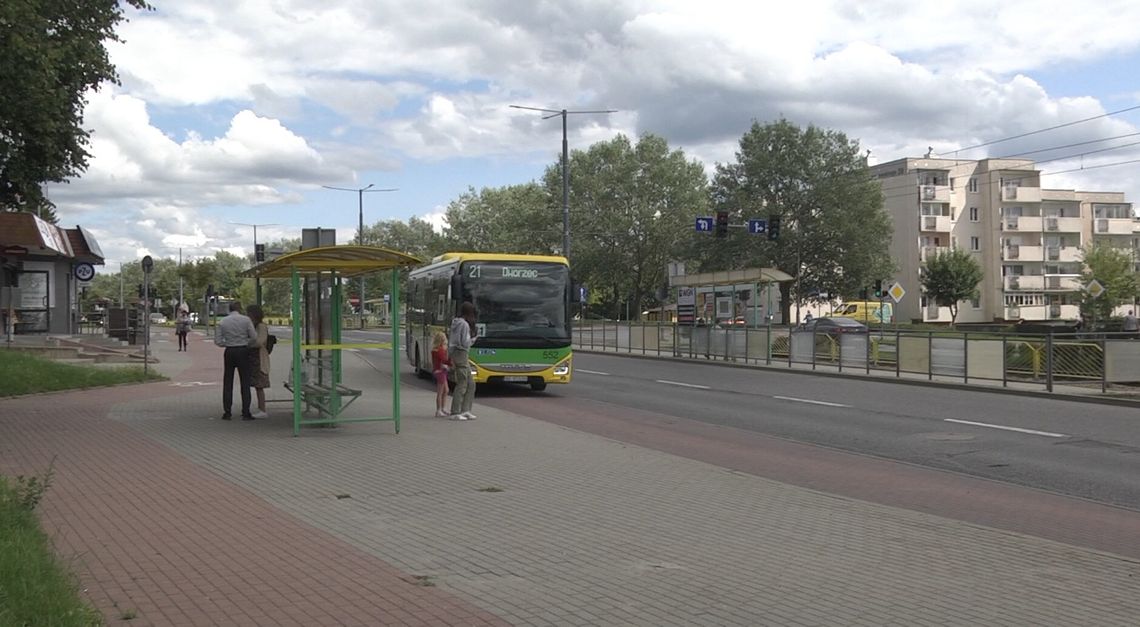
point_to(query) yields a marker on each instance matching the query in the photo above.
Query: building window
(972, 186)
(973, 214)
(975, 243)
(976, 303)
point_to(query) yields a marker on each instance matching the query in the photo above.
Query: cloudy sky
(241, 110)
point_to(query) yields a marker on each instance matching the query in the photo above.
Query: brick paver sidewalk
(527, 521)
(159, 540)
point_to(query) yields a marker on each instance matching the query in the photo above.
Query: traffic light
(259, 252)
(773, 228)
(863, 294)
(721, 224)
(879, 288)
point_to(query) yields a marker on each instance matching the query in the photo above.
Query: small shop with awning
(43, 268)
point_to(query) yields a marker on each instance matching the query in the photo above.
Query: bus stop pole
(336, 310)
(297, 365)
(395, 318)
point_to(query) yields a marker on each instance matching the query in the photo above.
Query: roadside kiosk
(315, 375)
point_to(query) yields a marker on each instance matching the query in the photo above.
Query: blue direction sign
(705, 224)
(756, 226)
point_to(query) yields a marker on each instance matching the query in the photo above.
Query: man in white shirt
(1131, 325)
(459, 342)
(236, 334)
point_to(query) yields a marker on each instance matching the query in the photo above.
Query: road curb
(1119, 402)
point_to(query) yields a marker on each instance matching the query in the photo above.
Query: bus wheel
(419, 371)
(538, 387)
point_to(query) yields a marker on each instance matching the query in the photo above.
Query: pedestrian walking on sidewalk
(259, 359)
(236, 334)
(1131, 325)
(182, 328)
(440, 364)
(459, 343)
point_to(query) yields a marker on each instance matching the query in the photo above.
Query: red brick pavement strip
(150, 533)
(961, 497)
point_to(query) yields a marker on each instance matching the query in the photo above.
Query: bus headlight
(562, 369)
(474, 371)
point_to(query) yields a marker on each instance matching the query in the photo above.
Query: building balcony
(930, 252)
(1112, 226)
(1064, 254)
(1021, 223)
(934, 193)
(1021, 194)
(1021, 252)
(1063, 225)
(935, 224)
(1023, 282)
(1062, 283)
(1042, 312)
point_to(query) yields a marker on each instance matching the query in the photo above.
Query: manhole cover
(949, 437)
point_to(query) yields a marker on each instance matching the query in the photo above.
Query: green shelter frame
(325, 392)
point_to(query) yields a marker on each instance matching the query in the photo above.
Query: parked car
(866, 311)
(157, 318)
(834, 326)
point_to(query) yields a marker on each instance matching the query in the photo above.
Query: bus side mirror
(457, 287)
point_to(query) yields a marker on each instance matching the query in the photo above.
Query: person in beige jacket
(259, 359)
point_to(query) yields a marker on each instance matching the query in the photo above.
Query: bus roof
(461, 257)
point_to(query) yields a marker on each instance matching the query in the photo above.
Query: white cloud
(325, 93)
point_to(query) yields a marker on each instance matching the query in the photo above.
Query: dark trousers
(237, 358)
(181, 341)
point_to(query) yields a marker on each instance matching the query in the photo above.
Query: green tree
(950, 278)
(53, 53)
(276, 293)
(511, 219)
(416, 237)
(834, 232)
(1113, 268)
(631, 210)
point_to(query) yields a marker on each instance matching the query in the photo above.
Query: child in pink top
(440, 364)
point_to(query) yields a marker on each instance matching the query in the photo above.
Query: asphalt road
(1079, 449)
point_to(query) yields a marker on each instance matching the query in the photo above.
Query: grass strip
(27, 374)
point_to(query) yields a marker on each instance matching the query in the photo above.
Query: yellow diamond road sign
(1094, 288)
(896, 292)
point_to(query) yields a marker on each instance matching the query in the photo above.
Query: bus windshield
(519, 300)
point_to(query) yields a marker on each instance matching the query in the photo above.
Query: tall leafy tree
(53, 54)
(631, 209)
(510, 219)
(834, 231)
(1113, 268)
(950, 278)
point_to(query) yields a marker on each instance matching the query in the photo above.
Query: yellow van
(867, 312)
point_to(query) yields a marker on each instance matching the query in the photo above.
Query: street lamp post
(360, 229)
(565, 167)
(256, 280)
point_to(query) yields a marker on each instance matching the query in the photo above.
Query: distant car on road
(834, 326)
(157, 318)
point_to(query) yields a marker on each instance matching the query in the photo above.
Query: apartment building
(1027, 239)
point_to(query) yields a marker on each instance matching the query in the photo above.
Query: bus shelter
(315, 374)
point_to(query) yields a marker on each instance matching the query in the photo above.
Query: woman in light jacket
(259, 359)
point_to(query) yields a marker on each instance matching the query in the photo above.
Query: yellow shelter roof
(347, 261)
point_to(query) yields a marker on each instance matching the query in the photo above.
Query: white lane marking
(684, 385)
(604, 374)
(1018, 429)
(808, 400)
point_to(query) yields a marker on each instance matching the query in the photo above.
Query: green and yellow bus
(523, 320)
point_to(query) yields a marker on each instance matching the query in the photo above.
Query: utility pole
(257, 280)
(360, 231)
(565, 166)
(178, 307)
